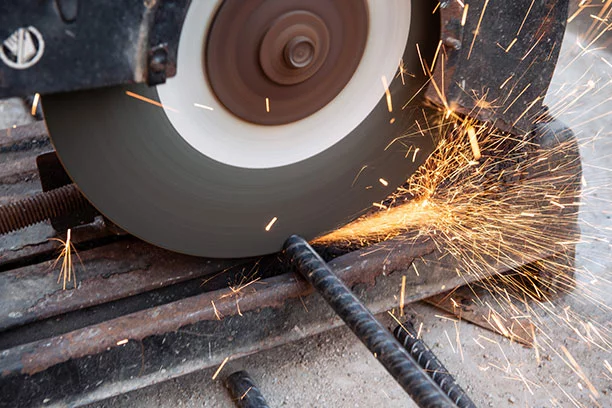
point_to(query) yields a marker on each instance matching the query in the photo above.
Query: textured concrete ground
(335, 370)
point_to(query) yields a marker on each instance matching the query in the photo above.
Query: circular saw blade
(130, 162)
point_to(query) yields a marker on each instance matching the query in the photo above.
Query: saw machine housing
(84, 57)
(122, 42)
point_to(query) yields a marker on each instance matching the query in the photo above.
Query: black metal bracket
(54, 46)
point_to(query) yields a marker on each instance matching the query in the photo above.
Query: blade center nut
(294, 47)
(299, 52)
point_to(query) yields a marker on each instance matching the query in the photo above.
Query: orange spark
(387, 93)
(464, 16)
(579, 371)
(217, 314)
(151, 101)
(474, 143)
(402, 295)
(271, 223)
(35, 103)
(484, 8)
(214, 377)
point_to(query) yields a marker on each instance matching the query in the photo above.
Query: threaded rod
(41, 207)
(398, 362)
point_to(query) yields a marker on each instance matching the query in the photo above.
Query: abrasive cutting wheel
(276, 123)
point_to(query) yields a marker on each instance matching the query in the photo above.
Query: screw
(452, 43)
(158, 60)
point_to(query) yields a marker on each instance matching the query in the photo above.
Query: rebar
(389, 352)
(41, 207)
(244, 391)
(408, 337)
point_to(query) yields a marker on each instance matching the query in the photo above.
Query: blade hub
(276, 62)
(294, 48)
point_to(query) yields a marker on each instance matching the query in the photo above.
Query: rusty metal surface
(36, 246)
(174, 337)
(24, 137)
(18, 147)
(497, 67)
(106, 273)
(354, 268)
(18, 179)
(196, 339)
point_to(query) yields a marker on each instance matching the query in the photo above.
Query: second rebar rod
(408, 337)
(398, 362)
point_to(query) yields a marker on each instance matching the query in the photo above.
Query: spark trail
(487, 198)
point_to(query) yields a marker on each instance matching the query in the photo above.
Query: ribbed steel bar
(245, 392)
(407, 336)
(391, 354)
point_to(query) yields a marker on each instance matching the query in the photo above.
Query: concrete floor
(335, 370)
